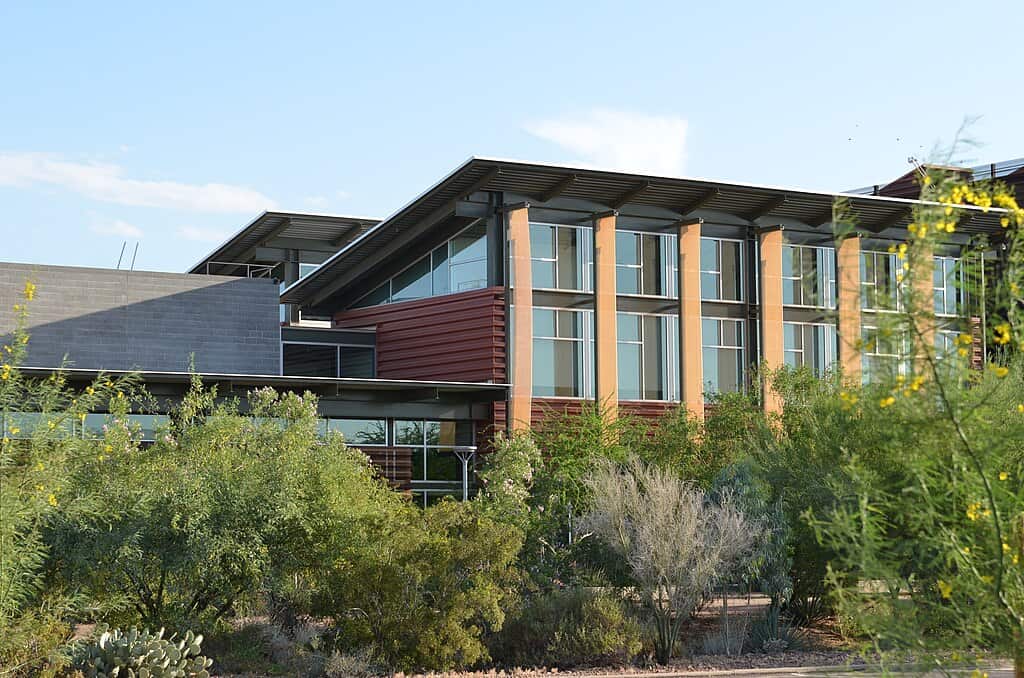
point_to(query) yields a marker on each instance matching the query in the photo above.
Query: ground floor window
(723, 355)
(811, 345)
(562, 353)
(434, 459)
(648, 348)
(884, 354)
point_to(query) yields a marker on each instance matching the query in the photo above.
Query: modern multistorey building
(505, 290)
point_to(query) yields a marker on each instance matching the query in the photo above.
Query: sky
(171, 125)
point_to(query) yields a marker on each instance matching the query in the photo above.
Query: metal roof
(675, 197)
(338, 230)
(342, 383)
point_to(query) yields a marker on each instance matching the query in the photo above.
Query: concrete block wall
(140, 320)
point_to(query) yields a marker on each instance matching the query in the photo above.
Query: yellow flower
(966, 550)
(1020, 408)
(1015, 559)
(1003, 475)
(886, 402)
(1001, 333)
(39, 466)
(978, 673)
(986, 579)
(15, 430)
(1006, 547)
(30, 290)
(90, 390)
(39, 488)
(1001, 371)
(945, 588)
(962, 352)
(108, 448)
(5, 372)
(973, 510)
(52, 500)
(1004, 222)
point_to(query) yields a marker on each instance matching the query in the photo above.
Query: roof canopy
(323, 232)
(646, 196)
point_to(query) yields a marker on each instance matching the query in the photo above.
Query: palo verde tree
(927, 529)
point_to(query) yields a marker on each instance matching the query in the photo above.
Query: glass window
(357, 362)
(309, 360)
(561, 353)
(879, 281)
(560, 257)
(642, 264)
(360, 431)
(149, 426)
(945, 342)
(721, 264)
(724, 365)
(808, 276)
(380, 295)
(434, 460)
(646, 362)
(811, 345)
(947, 286)
(627, 263)
(884, 354)
(467, 260)
(412, 283)
(439, 270)
(306, 269)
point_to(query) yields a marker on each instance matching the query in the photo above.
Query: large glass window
(811, 345)
(721, 269)
(723, 354)
(327, 360)
(879, 281)
(360, 432)
(947, 286)
(433, 458)
(561, 353)
(884, 354)
(560, 257)
(642, 264)
(456, 266)
(309, 360)
(647, 356)
(808, 276)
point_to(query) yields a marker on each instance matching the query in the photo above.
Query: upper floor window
(723, 355)
(562, 355)
(721, 269)
(808, 276)
(327, 360)
(647, 356)
(811, 345)
(306, 269)
(880, 281)
(561, 257)
(947, 286)
(643, 264)
(458, 265)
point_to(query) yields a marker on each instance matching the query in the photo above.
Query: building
(503, 291)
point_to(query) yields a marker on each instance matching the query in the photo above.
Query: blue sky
(173, 125)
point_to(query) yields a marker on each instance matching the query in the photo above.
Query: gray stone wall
(139, 320)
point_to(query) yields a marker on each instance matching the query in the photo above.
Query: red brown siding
(456, 337)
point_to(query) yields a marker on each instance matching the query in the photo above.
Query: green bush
(141, 654)
(572, 627)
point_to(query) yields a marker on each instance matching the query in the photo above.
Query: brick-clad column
(605, 325)
(772, 347)
(520, 354)
(848, 302)
(691, 353)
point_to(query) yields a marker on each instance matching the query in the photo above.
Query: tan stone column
(606, 349)
(922, 258)
(691, 352)
(848, 303)
(772, 346)
(520, 350)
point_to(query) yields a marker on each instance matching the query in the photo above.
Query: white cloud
(121, 229)
(107, 183)
(202, 234)
(620, 140)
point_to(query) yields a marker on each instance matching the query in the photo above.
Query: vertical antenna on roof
(917, 165)
(133, 256)
(121, 256)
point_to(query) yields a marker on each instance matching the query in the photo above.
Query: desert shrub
(770, 636)
(422, 588)
(141, 653)
(567, 628)
(677, 542)
(219, 507)
(728, 638)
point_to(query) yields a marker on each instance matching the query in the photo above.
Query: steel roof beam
(705, 197)
(559, 188)
(630, 195)
(764, 208)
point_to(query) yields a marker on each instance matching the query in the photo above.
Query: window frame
(956, 275)
(425, 484)
(741, 265)
(827, 282)
(666, 264)
(831, 348)
(585, 254)
(671, 369)
(587, 348)
(897, 281)
(742, 348)
(337, 358)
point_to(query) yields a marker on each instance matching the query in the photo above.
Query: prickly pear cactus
(141, 654)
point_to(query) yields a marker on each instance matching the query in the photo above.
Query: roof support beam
(630, 195)
(889, 220)
(822, 218)
(695, 204)
(480, 183)
(274, 232)
(764, 208)
(558, 189)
